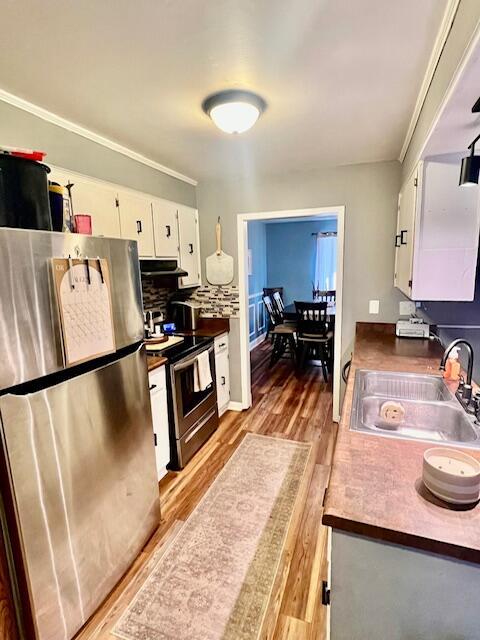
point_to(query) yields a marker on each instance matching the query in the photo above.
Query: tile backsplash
(155, 297)
(217, 302)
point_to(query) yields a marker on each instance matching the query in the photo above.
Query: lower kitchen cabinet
(381, 590)
(222, 366)
(158, 400)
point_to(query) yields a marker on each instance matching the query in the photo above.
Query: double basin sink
(424, 406)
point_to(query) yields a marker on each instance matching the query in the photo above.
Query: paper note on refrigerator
(84, 299)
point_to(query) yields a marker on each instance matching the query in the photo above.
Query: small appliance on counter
(412, 328)
(185, 314)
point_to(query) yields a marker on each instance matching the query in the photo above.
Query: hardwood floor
(284, 406)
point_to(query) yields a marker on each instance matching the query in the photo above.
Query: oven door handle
(184, 365)
(200, 425)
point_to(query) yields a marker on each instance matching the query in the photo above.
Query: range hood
(159, 268)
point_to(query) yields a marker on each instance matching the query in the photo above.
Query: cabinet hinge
(410, 283)
(415, 182)
(325, 593)
(155, 439)
(117, 202)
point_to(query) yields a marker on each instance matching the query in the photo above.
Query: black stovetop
(189, 346)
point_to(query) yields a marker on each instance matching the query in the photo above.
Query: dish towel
(202, 374)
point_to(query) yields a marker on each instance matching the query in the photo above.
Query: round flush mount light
(234, 111)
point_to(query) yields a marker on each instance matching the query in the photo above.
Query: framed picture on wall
(251, 320)
(260, 316)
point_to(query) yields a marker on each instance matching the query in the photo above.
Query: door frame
(242, 239)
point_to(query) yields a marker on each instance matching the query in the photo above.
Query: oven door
(190, 406)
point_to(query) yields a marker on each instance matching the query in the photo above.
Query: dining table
(290, 313)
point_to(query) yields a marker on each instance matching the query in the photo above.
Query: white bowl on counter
(451, 475)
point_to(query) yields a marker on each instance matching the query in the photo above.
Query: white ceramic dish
(451, 475)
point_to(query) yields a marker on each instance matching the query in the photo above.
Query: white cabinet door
(446, 237)
(158, 400)
(407, 206)
(99, 202)
(165, 228)
(189, 246)
(94, 198)
(222, 367)
(136, 221)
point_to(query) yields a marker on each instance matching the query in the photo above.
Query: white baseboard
(235, 406)
(258, 340)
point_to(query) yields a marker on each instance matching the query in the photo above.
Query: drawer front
(157, 379)
(196, 437)
(221, 343)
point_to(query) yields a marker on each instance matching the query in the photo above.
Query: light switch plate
(406, 308)
(374, 306)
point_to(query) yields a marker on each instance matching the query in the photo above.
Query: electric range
(193, 415)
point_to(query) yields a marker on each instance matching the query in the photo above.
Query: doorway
(336, 213)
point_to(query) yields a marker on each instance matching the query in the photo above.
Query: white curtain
(326, 263)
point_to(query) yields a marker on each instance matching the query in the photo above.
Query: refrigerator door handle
(69, 375)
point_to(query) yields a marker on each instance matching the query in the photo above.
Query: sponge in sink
(392, 412)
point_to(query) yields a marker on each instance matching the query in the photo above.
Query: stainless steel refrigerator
(79, 494)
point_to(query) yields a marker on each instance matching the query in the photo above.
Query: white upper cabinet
(96, 199)
(165, 228)
(136, 221)
(405, 234)
(189, 246)
(436, 256)
(100, 203)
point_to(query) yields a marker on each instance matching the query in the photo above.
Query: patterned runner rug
(215, 580)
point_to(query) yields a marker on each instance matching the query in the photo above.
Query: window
(326, 262)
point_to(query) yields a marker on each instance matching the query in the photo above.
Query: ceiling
(340, 77)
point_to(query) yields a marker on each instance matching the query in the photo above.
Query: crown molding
(442, 35)
(53, 118)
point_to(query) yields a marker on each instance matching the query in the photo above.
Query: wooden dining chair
(270, 291)
(326, 296)
(314, 336)
(283, 334)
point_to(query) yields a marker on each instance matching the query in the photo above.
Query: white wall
(369, 192)
(71, 151)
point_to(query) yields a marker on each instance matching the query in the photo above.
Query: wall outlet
(406, 308)
(374, 306)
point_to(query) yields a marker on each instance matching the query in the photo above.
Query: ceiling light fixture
(470, 167)
(235, 110)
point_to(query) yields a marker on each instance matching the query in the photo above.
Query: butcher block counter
(375, 487)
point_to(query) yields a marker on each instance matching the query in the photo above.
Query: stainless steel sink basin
(431, 412)
(404, 386)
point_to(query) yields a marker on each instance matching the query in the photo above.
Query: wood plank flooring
(284, 406)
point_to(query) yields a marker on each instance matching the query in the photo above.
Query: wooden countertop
(208, 327)
(153, 362)
(375, 487)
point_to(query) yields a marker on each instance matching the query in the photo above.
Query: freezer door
(81, 465)
(30, 345)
